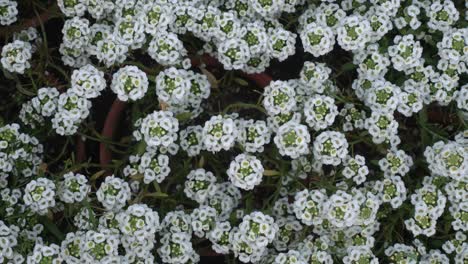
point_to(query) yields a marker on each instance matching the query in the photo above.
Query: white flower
(176, 248)
(314, 75)
(9, 10)
(292, 140)
(73, 188)
(434, 256)
(39, 195)
(191, 140)
(255, 35)
(157, 17)
(219, 133)
(258, 229)
(113, 193)
(396, 162)
(129, 31)
(70, 247)
(398, 253)
(341, 209)
(233, 53)
(267, 8)
(320, 112)
(391, 190)
(448, 159)
(253, 135)
(204, 219)
(244, 249)
(289, 229)
(154, 167)
(100, 9)
(405, 53)
(110, 52)
(42, 253)
(308, 206)
(99, 246)
(76, 33)
(442, 15)
(199, 185)
(159, 129)
(355, 168)
(138, 222)
(245, 171)
(281, 44)
(372, 63)
(167, 49)
(71, 8)
(129, 83)
(279, 97)
(292, 256)
(219, 237)
(88, 81)
(8, 238)
(360, 254)
(354, 32)
(16, 56)
(382, 126)
(225, 199)
(176, 222)
(172, 86)
(330, 147)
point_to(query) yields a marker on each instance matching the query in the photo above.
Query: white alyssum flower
(159, 129)
(154, 167)
(267, 8)
(76, 33)
(100, 9)
(405, 53)
(16, 56)
(219, 237)
(88, 81)
(167, 49)
(233, 53)
(191, 140)
(391, 190)
(355, 168)
(139, 222)
(308, 206)
(39, 195)
(245, 171)
(279, 97)
(42, 253)
(448, 159)
(330, 147)
(258, 229)
(281, 44)
(129, 83)
(341, 209)
(292, 256)
(317, 39)
(99, 246)
(219, 133)
(176, 222)
(110, 52)
(360, 254)
(199, 185)
(72, 8)
(398, 253)
(253, 135)
(204, 219)
(396, 162)
(382, 126)
(176, 248)
(8, 12)
(9, 240)
(442, 15)
(225, 199)
(157, 17)
(314, 75)
(320, 111)
(113, 193)
(354, 32)
(73, 188)
(292, 139)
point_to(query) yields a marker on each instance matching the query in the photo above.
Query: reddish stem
(80, 150)
(111, 123)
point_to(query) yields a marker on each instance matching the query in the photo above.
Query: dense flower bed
(361, 156)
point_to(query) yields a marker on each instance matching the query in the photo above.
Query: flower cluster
(269, 131)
